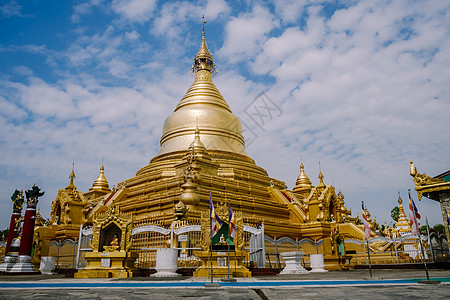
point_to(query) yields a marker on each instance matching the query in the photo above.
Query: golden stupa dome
(100, 183)
(302, 179)
(202, 108)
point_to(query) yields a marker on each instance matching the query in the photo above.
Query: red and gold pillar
(26, 242)
(17, 199)
(12, 234)
(23, 263)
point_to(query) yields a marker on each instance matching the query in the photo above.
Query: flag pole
(420, 242)
(228, 240)
(421, 247)
(211, 208)
(367, 232)
(228, 279)
(429, 240)
(210, 238)
(368, 256)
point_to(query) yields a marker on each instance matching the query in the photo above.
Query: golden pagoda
(402, 226)
(202, 153)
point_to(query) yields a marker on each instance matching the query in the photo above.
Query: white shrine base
(23, 265)
(166, 263)
(293, 261)
(8, 262)
(317, 263)
(47, 265)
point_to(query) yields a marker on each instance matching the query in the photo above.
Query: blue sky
(361, 86)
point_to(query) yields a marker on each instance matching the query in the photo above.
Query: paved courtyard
(356, 284)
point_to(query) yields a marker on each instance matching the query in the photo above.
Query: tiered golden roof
(402, 223)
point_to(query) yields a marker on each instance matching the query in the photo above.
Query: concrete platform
(390, 284)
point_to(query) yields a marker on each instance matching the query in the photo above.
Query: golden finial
(72, 176)
(320, 177)
(203, 59)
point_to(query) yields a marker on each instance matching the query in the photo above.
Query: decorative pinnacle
(72, 174)
(320, 176)
(203, 59)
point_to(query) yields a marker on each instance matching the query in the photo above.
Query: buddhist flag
(367, 230)
(413, 224)
(216, 222)
(414, 212)
(448, 217)
(232, 222)
(413, 207)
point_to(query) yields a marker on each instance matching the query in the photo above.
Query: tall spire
(203, 59)
(72, 176)
(321, 184)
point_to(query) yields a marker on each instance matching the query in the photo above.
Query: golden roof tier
(202, 107)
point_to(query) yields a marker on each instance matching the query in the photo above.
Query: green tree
(4, 233)
(439, 228)
(423, 230)
(394, 213)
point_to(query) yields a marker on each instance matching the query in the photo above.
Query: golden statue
(114, 241)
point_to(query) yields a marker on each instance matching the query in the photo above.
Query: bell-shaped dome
(100, 183)
(202, 107)
(302, 179)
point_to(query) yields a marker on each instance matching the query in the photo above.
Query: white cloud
(363, 91)
(290, 10)
(10, 8)
(245, 34)
(11, 110)
(134, 10)
(83, 9)
(22, 70)
(46, 100)
(132, 35)
(173, 17)
(214, 8)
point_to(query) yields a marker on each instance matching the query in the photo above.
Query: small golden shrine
(111, 243)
